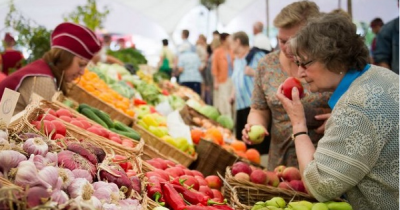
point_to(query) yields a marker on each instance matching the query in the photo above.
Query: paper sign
(7, 105)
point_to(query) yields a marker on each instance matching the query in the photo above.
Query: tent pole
(349, 8)
(267, 14)
(339, 4)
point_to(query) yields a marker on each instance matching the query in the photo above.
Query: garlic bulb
(35, 146)
(27, 176)
(49, 174)
(92, 201)
(59, 197)
(10, 159)
(67, 177)
(80, 187)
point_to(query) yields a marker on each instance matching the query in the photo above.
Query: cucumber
(132, 135)
(91, 115)
(83, 105)
(121, 126)
(104, 116)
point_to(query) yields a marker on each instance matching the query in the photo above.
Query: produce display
(52, 124)
(75, 175)
(178, 188)
(69, 160)
(278, 203)
(92, 83)
(282, 177)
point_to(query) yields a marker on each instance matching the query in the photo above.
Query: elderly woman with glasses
(272, 70)
(358, 156)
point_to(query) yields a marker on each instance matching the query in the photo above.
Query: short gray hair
(333, 40)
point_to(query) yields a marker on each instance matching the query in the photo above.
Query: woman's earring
(341, 72)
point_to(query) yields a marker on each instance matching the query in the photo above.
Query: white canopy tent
(152, 20)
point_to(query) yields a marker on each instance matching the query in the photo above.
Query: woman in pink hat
(72, 46)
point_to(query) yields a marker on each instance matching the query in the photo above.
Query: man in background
(261, 41)
(376, 25)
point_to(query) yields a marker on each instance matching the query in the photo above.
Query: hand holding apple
(294, 109)
(247, 135)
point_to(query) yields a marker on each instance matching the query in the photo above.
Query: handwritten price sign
(7, 105)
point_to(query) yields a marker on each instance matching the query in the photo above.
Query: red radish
(188, 172)
(58, 136)
(154, 163)
(50, 111)
(65, 118)
(60, 127)
(111, 134)
(80, 118)
(72, 160)
(175, 172)
(202, 181)
(85, 124)
(170, 163)
(116, 139)
(63, 112)
(79, 149)
(48, 117)
(104, 132)
(94, 130)
(48, 128)
(77, 123)
(127, 143)
(289, 84)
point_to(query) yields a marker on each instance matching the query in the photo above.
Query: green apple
(306, 203)
(277, 202)
(339, 206)
(257, 134)
(320, 206)
(297, 206)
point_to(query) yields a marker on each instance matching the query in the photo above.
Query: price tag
(7, 105)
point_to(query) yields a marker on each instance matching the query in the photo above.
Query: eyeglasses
(303, 65)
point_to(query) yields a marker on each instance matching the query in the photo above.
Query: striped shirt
(244, 84)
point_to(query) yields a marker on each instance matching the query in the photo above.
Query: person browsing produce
(72, 47)
(273, 69)
(358, 156)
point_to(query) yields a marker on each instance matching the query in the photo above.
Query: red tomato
(60, 127)
(290, 83)
(116, 139)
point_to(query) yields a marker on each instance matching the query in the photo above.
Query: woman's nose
(301, 72)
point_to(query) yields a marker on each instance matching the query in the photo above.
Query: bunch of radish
(52, 124)
(81, 176)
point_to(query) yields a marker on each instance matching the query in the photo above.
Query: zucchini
(104, 116)
(83, 105)
(91, 115)
(132, 135)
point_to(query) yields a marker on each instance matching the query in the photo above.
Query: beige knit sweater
(359, 153)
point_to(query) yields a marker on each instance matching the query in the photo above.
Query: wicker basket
(80, 95)
(245, 193)
(212, 158)
(164, 148)
(188, 113)
(138, 145)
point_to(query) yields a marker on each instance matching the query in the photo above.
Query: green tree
(30, 34)
(88, 15)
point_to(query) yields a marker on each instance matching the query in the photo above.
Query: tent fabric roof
(161, 17)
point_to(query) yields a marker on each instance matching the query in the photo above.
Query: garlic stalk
(67, 177)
